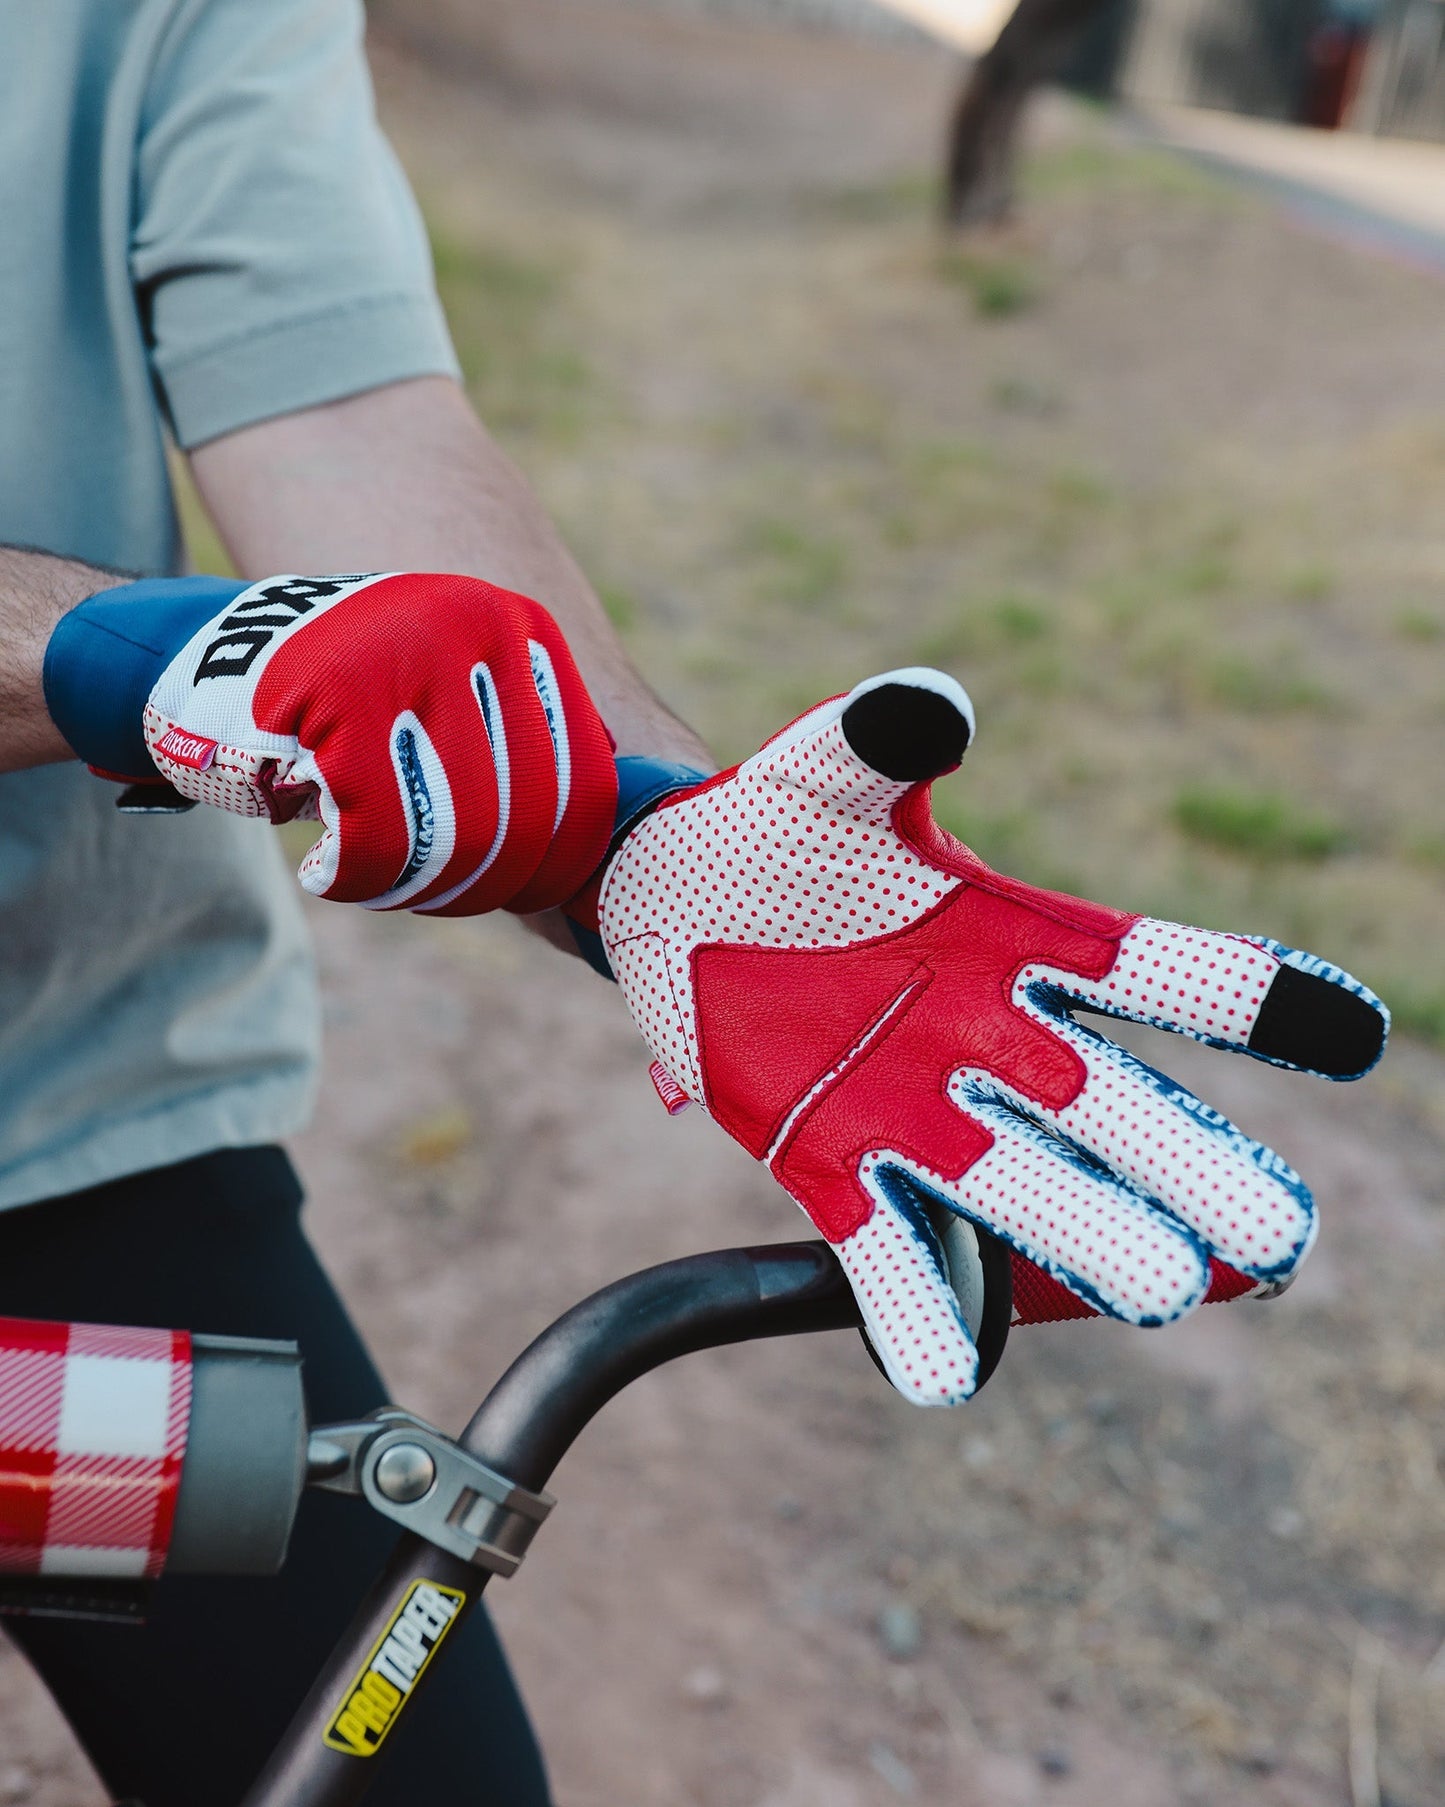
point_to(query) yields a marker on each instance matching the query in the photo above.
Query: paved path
(1385, 195)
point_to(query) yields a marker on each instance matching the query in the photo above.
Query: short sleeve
(278, 255)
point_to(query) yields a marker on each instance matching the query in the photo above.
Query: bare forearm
(406, 478)
(35, 591)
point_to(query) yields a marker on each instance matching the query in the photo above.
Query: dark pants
(183, 1710)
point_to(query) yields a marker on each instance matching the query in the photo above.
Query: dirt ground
(1161, 481)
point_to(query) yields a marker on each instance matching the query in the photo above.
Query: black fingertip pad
(1312, 1023)
(906, 732)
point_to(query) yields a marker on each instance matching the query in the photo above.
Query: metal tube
(523, 1429)
(556, 1386)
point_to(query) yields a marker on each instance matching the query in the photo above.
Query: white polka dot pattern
(912, 1316)
(642, 970)
(1196, 981)
(1110, 1246)
(229, 782)
(796, 850)
(1250, 1207)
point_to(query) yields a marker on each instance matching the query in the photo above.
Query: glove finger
(1108, 1243)
(871, 747)
(382, 844)
(1253, 996)
(1037, 1298)
(586, 777)
(909, 725)
(466, 896)
(1247, 1206)
(555, 778)
(894, 1262)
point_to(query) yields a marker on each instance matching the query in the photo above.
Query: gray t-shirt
(203, 226)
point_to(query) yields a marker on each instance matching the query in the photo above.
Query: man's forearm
(35, 591)
(405, 478)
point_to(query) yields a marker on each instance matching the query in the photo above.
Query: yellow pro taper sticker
(372, 1703)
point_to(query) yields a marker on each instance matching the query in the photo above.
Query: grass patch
(1417, 1012)
(1257, 825)
(620, 605)
(1019, 621)
(1420, 625)
(997, 284)
(1311, 583)
(1041, 674)
(513, 286)
(1004, 838)
(1263, 687)
(950, 647)
(1427, 850)
(803, 571)
(979, 630)
(1026, 395)
(1095, 166)
(522, 369)
(937, 460)
(1077, 489)
(902, 197)
(1202, 573)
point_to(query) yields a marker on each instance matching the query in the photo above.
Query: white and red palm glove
(886, 1022)
(436, 724)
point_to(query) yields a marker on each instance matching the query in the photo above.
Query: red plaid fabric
(93, 1423)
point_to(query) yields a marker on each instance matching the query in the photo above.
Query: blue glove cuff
(106, 654)
(642, 783)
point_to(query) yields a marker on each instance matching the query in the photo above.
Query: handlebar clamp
(415, 1475)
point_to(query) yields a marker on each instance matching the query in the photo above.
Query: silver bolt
(404, 1473)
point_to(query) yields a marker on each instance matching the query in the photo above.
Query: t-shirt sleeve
(278, 256)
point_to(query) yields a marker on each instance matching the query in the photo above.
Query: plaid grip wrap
(93, 1423)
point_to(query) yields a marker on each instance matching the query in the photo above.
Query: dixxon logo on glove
(193, 751)
(250, 627)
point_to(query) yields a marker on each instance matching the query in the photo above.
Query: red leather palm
(885, 1024)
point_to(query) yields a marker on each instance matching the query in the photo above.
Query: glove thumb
(909, 725)
(863, 751)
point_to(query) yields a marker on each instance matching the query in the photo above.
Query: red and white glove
(436, 724)
(887, 1023)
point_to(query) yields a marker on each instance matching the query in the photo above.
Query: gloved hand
(887, 1023)
(437, 726)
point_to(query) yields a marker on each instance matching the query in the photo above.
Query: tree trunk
(983, 133)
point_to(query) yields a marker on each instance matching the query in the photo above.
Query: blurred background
(831, 351)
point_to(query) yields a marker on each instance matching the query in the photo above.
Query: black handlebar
(559, 1383)
(523, 1429)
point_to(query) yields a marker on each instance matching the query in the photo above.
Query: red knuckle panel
(409, 644)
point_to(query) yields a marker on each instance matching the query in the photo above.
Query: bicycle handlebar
(562, 1380)
(523, 1428)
